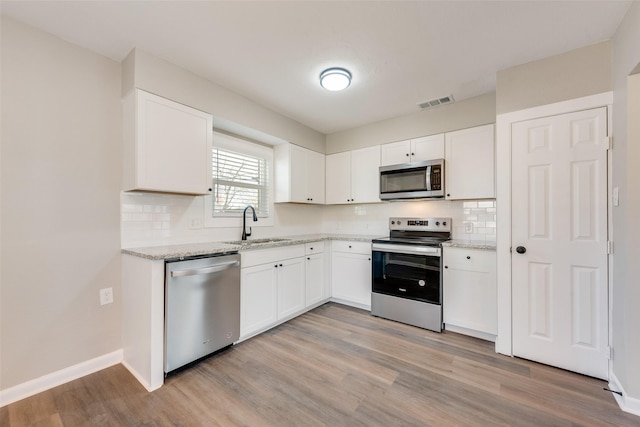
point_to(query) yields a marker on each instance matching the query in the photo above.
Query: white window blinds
(241, 172)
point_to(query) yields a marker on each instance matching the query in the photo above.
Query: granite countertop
(214, 248)
(471, 244)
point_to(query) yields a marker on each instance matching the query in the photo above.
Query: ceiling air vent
(435, 102)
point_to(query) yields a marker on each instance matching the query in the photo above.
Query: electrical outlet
(106, 296)
(195, 223)
(468, 227)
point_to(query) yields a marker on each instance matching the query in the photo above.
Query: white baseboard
(54, 379)
(471, 332)
(139, 377)
(351, 303)
(626, 403)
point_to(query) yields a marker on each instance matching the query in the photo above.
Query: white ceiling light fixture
(335, 79)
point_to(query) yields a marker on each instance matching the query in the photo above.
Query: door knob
(521, 249)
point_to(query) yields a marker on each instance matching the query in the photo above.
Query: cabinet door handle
(280, 265)
(276, 266)
(308, 258)
(468, 257)
(446, 266)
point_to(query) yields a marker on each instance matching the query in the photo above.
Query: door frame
(504, 122)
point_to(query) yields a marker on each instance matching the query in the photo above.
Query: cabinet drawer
(263, 256)
(351, 247)
(471, 259)
(314, 248)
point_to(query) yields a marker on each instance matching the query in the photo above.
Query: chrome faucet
(244, 222)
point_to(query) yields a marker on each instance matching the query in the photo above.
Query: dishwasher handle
(206, 270)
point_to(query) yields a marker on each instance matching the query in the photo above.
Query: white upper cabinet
(338, 180)
(353, 176)
(299, 175)
(365, 175)
(413, 150)
(395, 153)
(427, 148)
(166, 146)
(470, 163)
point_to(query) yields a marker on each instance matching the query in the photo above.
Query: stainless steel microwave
(417, 180)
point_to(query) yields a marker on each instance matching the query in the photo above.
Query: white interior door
(559, 241)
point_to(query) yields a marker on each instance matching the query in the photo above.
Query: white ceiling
(400, 53)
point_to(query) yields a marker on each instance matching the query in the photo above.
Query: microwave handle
(428, 178)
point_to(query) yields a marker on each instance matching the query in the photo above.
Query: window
(241, 176)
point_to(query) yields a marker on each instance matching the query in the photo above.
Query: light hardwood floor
(336, 366)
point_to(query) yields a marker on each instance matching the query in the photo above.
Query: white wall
(626, 232)
(467, 113)
(231, 111)
(61, 168)
(580, 72)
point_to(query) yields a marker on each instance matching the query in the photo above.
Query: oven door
(407, 271)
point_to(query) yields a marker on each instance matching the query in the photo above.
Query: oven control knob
(444, 223)
(437, 222)
(399, 222)
(393, 222)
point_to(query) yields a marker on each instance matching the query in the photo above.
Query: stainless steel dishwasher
(202, 308)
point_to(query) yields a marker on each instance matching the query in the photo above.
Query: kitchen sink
(255, 241)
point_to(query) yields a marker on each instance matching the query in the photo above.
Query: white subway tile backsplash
(158, 219)
(161, 219)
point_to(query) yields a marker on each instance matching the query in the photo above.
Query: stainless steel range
(406, 276)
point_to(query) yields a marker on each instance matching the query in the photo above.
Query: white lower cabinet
(258, 298)
(278, 284)
(351, 273)
(316, 290)
(291, 287)
(272, 287)
(470, 292)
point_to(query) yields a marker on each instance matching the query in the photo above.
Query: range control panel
(420, 224)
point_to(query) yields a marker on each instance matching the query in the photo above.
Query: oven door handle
(405, 249)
